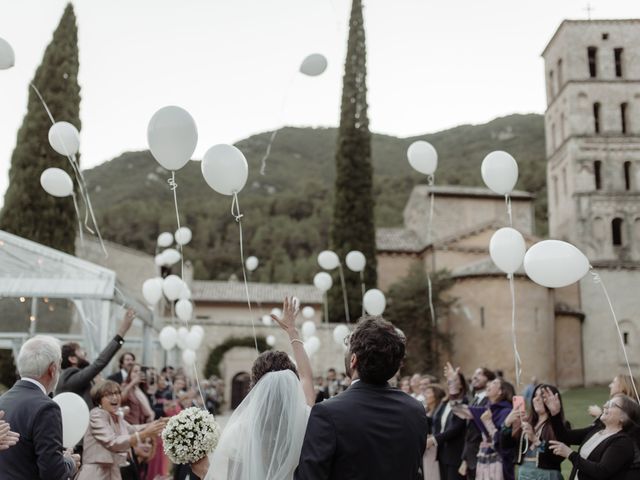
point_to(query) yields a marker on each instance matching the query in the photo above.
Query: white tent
(28, 269)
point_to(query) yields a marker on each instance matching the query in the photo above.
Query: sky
(233, 64)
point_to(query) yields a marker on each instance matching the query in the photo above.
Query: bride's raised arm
(288, 324)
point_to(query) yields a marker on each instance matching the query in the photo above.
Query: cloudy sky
(232, 64)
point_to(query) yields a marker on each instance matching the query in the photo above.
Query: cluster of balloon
(185, 339)
(374, 302)
(7, 57)
(171, 256)
(75, 418)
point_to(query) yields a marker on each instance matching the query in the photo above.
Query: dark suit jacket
(368, 432)
(116, 377)
(80, 381)
(472, 438)
(450, 439)
(39, 453)
(611, 460)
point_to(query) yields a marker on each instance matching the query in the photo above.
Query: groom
(371, 431)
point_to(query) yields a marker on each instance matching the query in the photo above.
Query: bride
(263, 438)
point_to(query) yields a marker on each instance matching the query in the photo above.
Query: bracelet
(138, 438)
(294, 340)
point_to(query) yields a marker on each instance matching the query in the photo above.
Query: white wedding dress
(263, 438)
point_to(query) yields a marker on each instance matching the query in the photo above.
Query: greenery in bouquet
(190, 436)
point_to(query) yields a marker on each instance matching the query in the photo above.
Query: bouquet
(190, 436)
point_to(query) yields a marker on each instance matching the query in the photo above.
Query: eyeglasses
(112, 394)
(611, 404)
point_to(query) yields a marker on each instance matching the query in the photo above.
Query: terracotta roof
(482, 268)
(398, 240)
(234, 292)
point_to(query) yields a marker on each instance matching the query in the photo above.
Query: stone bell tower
(592, 126)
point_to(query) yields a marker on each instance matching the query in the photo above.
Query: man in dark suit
(371, 431)
(473, 437)
(126, 360)
(78, 374)
(36, 418)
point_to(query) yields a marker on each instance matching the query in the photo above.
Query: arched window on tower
(616, 231)
(597, 174)
(617, 56)
(623, 116)
(627, 175)
(551, 85)
(593, 66)
(596, 117)
(559, 74)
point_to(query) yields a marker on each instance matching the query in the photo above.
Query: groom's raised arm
(318, 448)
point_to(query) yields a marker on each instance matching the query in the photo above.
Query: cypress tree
(353, 223)
(28, 210)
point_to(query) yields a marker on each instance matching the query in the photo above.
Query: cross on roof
(589, 9)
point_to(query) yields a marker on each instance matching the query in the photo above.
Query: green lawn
(575, 408)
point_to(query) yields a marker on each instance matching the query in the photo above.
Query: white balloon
(499, 172)
(75, 418)
(168, 337)
(172, 286)
(251, 263)
(184, 310)
(198, 329)
(7, 57)
(185, 293)
(507, 249)
(183, 333)
(225, 169)
(64, 138)
(171, 256)
(183, 235)
(356, 261)
(328, 260)
(152, 290)
(165, 239)
(313, 65)
(308, 329)
(56, 182)
(374, 302)
(423, 157)
(194, 340)
(322, 281)
(312, 345)
(555, 264)
(277, 312)
(159, 260)
(308, 312)
(340, 333)
(271, 340)
(172, 136)
(189, 357)
(267, 320)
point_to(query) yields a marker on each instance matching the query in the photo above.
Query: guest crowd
(477, 429)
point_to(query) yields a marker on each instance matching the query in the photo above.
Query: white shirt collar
(481, 395)
(35, 382)
(354, 381)
(124, 374)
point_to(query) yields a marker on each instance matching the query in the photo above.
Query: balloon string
(344, 293)
(597, 279)
(432, 311)
(174, 186)
(235, 211)
(84, 193)
(75, 205)
(326, 307)
(518, 361)
(507, 201)
(363, 288)
(283, 104)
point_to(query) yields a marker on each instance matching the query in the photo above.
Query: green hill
(287, 212)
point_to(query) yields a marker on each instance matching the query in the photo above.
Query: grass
(575, 404)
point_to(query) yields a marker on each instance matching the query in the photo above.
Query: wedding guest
(109, 438)
(620, 385)
(415, 387)
(607, 448)
(405, 385)
(124, 362)
(35, 417)
(78, 374)
(472, 437)
(449, 429)
(134, 397)
(531, 435)
(433, 398)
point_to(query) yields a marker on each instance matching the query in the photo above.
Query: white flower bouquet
(190, 436)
